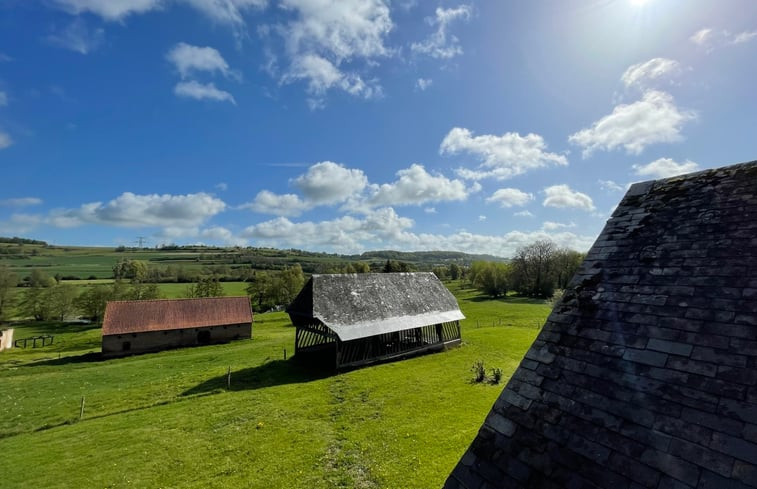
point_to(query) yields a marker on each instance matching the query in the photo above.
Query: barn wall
(6, 339)
(114, 345)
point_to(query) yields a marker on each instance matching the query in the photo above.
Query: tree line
(537, 270)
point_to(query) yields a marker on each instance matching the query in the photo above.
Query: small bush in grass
(496, 375)
(479, 372)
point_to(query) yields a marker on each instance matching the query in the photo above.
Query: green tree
(61, 301)
(39, 279)
(259, 290)
(8, 282)
(143, 292)
(534, 269)
(454, 271)
(134, 270)
(205, 287)
(491, 278)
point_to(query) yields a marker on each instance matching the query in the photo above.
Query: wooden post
(285, 353)
(81, 409)
(228, 379)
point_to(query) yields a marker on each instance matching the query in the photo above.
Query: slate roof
(359, 305)
(645, 375)
(125, 317)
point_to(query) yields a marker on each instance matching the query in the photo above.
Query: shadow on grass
(91, 357)
(269, 374)
(507, 300)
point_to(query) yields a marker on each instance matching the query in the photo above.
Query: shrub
(479, 372)
(496, 375)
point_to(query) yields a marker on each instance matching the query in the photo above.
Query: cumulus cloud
(609, 186)
(190, 59)
(19, 224)
(511, 197)
(20, 202)
(416, 186)
(202, 91)
(653, 119)
(523, 214)
(3, 99)
(322, 75)
(219, 234)
(423, 83)
(641, 74)
(223, 11)
(5, 140)
(324, 37)
(77, 37)
(441, 44)
(330, 183)
(502, 156)
(562, 196)
(383, 228)
(279, 205)
(664, 168)
(709, 39)
(152, 210)
(553, 226)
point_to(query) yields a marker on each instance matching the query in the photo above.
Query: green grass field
(168, 420)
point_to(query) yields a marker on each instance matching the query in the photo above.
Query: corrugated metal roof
(361, 305)
(123, 317)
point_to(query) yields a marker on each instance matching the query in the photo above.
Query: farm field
(168, 419)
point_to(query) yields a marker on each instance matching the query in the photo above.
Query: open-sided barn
(645, 375)
(153, 325)
(364, 318)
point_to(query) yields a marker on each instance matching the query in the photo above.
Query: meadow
(170, 420)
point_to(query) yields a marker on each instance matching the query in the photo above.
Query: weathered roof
(366, 304)
(123, 317)
(645, 375)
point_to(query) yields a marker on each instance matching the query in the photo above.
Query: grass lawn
(168, 420)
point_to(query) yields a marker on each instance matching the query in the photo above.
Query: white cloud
(222, 186)
(416, 186)
(222, 235)
(326, 37)
(223, 11)
(702, 37)
(20, 202)
(502, 156)
(202, 91)
(383, 228)
(710, 39)
(553, 226)
(511, 197)
(481, 218)
(3, 99)
(330, 183)
(664, 168)
(430, 210)
(279, 205)
(77, 37)
(523, 214)
(441, 44)
(744, 37)
(562, 196)
(152, 210)
(609, 186)
(423, 83)
(641, 74)
(653, 119)
(322, 75)
(5, 140)
(190, 59)
(19, 224)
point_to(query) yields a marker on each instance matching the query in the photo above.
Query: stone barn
(154, 325)
(645, 375)
(357, 319)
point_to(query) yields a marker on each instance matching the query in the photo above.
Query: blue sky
(353, 125)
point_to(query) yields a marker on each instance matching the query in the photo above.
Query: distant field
(167, 419)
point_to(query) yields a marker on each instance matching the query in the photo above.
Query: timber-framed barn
(358, 319)
(153, 325)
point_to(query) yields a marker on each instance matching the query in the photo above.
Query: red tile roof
(124, 317)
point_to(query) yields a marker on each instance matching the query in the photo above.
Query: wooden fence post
(81, 409)
(228, 379)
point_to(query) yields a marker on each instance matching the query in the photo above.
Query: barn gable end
(645, 374)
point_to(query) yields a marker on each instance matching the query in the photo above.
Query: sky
(354, 125)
